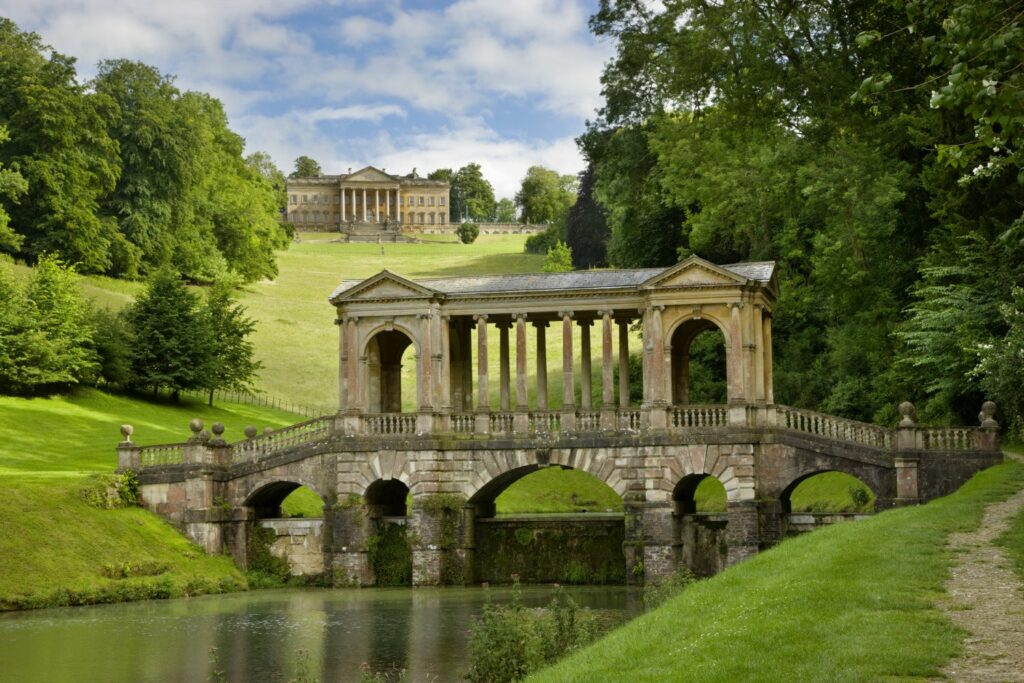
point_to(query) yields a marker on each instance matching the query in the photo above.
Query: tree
(172, 338)
(444, 174)
(468, 232)
(24, 354)
(544, 195)
(472, 196)
(586, 230)
(559, 259)
(505, 211)
(60, 147)
(263, 165)
(230, 366)
(306, 168)
(12, 186)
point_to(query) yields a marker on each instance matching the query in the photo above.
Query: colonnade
(370, 205)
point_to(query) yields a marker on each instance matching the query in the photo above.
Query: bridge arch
(786, 496)
(679, 341)
(506, 467)
(266, 496)
(383, 352)
(685, 496)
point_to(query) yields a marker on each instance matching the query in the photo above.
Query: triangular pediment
(383, 285)
(695, 272)
(370, 175)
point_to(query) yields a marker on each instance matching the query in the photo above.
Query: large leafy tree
(60, 146)
(586, 229)
(545, 196)
(305, 167)
(472, 195)
(12, 186)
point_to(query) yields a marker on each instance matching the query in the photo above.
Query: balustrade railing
(165, 454)
(628, 420)
(463, 423)
(310, 431)
(501, 423)
(948, 439)
(830, 427)
(545, 422)
(391, 424)
(588, 421)
(698, 416)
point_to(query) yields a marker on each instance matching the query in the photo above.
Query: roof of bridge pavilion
(691, 272)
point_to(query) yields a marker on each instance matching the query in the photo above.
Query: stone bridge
(453, 455)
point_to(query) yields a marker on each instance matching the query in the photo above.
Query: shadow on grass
(488, 265)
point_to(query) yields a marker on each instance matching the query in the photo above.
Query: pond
(269, 635)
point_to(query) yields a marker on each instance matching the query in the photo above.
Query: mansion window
(440, 218)
(440, 201)
(431, 218)
(295, 199)
(421, 215)
(421, 203)
(304, 198)
(431, 201)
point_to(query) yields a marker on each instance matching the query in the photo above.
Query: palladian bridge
(456, 452)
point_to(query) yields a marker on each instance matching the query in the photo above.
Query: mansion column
(623, 364)
(376, 205)
(483, 404)
(568, 418)
(398, 204)
(585, 378)
(542, 364)
(364, 205)
(387, 206)
(343, 197)
(769, 391)
(504, 376)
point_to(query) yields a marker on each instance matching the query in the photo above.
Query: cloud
(356, 112)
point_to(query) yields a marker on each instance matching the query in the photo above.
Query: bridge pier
(349, 532)
(743, 533)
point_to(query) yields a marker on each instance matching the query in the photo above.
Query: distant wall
(567, 549)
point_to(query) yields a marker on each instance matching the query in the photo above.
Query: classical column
(504, 376)
(623, 364)
(387, 207)
(607, 374)
(342, 365)
(446, 364)
(343, 205)
(424, 372)
(376, 205)
(734, 364)
(466, 344)
(759, 352)
(398, 203)
(521, 397)
(585, 387)
(356, 393)
(364, 205)
(542, 364)
(483, 402)
(568, 381)
(769, 391)
(658, 358)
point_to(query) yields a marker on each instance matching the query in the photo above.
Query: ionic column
(424, 372)
(542, 364)
(521, 396)
(387, 200)
(446, 364)
(658, 357)
(398, 204)
(503, 365)
(734, 364)
(342, 365)
(483, 402)
(356, 392)
(759, 352)
(769, 391)
(607, 375)
(585, 386)
(623, 364)
(343, 205)
(364, 206)
(376, 205)
(568, 381)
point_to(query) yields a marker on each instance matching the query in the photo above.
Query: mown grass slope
(852, 602)
(56, 548)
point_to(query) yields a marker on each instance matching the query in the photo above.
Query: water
(267, 635)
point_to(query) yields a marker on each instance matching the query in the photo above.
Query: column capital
(737, 304)
(503, 324)
(348, 319)
(585, 322)
(656, 307)
(606, 313)
(480, 317)
(566, 314)
(539, 323)
(519, 316)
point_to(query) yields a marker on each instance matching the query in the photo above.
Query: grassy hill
(56, 548)
(853, 602)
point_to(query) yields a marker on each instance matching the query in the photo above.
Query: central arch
(384, 354)
(708, 382)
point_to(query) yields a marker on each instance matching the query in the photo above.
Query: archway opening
(549, 524)
(828, 492)
(385, 355)
(699, 494)
(699, 366)
(388, 548)
(282, 499)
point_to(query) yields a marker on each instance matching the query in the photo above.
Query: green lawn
(852, 602)
(54, 547)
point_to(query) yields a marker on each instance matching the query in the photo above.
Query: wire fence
(260, 400)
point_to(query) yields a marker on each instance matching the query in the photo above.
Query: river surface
(275, 635)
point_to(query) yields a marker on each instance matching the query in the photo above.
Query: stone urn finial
(987, 416)
(268, 430)
(250, 432)
(196, 425)
(909, 414)
(218, 429)
(205, 436)
(126, 432)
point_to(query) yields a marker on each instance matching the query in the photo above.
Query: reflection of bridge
(455, 456)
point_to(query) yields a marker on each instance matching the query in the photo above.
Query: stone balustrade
(831, 427)
(310, 431)
(163, 455)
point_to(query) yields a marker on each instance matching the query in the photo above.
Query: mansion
(368, 196)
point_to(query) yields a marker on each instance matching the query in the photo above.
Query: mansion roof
(369, 174)
(753, 273)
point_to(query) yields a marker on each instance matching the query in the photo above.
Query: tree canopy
(306, 168)
(545, 196)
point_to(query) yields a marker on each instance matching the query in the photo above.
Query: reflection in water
(261, 636)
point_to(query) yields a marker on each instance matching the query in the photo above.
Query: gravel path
(986, 600)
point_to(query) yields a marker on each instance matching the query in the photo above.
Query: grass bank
(58, 549)
(853, 602)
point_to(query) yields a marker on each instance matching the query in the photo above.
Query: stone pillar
(521, 369)
(343, 197)
(759, 394)
(607, 374)
(906, 480)
(424, 372)
(504, 374)
(343, 350)
(427, 555)
(656, 411)
(659, 555)
(466, 342)
(350, 529)
(387, 201)
(542, 364)
(446, 364)
(585, 369)
(623, 364)
(483, 402)
(769, 380)
(771, 521)
(742, 534)
(398, 204)
(734, 363)
(568, 419)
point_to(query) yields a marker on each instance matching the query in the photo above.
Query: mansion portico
(367, 197)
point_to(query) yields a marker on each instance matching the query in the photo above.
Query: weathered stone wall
(300, 541)
(801, 522)
(563, 549)
(702, 546)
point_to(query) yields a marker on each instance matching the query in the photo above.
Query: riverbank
(851, 602)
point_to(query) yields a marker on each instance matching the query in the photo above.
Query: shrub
(542, 241)
(468, 232)
(559, 259)
(659, 592)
